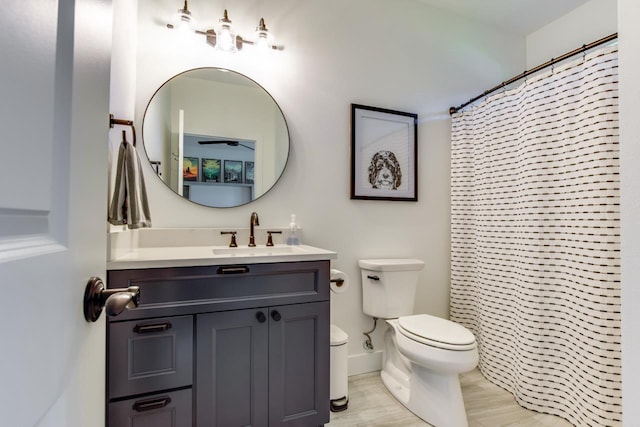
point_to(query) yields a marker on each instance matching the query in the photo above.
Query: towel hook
(113, 121)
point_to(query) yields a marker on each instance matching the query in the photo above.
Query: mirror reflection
(215, 137)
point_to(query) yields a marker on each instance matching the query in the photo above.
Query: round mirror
(215, 137)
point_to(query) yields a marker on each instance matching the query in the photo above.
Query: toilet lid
(437, 332)
(391, 264)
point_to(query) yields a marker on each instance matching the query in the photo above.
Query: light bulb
(263, 38)
(182, 19)
(226, 37)
(262, 44)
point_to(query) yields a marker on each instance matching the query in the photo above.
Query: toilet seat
(436, 332)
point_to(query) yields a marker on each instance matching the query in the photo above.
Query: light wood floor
(487, 405)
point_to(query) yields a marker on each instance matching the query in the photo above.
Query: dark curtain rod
(526, 73)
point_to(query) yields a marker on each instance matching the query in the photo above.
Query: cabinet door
(231, 369)
(165, 410)
(299, 364)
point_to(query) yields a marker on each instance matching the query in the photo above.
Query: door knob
(276, 316)
(114, 301)
(261, 317)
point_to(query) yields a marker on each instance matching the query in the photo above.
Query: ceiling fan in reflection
(227, 142)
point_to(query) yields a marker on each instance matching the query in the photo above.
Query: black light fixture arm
(212, 37)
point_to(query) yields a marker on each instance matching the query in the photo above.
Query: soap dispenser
(292, 237)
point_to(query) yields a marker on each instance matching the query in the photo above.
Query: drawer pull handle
(152, 327)
(261, 317)
(151, 404)
(276, 316)
(233, 270)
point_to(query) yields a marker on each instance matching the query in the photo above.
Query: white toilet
(423, 354)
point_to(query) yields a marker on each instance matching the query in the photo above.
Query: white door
(177, 156)
(54, 89)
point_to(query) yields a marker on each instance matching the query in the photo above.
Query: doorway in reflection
(218, 170)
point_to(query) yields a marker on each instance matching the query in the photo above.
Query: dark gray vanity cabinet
(262, 367)
(224, 346)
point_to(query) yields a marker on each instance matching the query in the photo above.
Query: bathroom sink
(260, 251)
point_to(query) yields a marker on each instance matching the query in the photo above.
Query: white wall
(589, 22)
(400, 55)
(629, 33)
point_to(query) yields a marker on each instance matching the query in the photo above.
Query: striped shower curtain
(535, 239)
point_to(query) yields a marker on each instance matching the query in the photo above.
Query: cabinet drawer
(149, 355)
(161, 410)
(191, 290)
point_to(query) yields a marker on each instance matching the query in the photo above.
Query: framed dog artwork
(384, 154)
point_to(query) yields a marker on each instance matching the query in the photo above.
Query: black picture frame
(211, 170)
(233, 171)
(248, 172)
(384, 154)
(190, 168)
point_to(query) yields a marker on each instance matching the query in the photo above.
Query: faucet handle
(269, 238)
(233, 243)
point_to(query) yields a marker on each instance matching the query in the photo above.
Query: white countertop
(187, 247)
(188, 256)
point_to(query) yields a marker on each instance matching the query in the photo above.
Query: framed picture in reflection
(233, 171)
(190, 168)
(211, 169)
(248, 172)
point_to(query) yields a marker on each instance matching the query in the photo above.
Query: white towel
(129, 204)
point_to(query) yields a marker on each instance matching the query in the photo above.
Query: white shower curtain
(535, 249)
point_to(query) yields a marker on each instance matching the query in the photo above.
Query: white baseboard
(365, 362)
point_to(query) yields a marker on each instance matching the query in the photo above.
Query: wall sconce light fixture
(182, 19)
(225, 39)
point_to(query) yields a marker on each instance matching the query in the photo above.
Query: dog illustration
(384, 171)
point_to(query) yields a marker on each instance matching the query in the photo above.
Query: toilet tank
(389, 286)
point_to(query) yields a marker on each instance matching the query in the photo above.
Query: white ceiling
(516, 16)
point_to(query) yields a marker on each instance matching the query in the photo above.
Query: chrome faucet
(252, 222)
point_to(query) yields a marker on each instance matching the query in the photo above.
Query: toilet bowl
(424, 377)
(423, 355)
